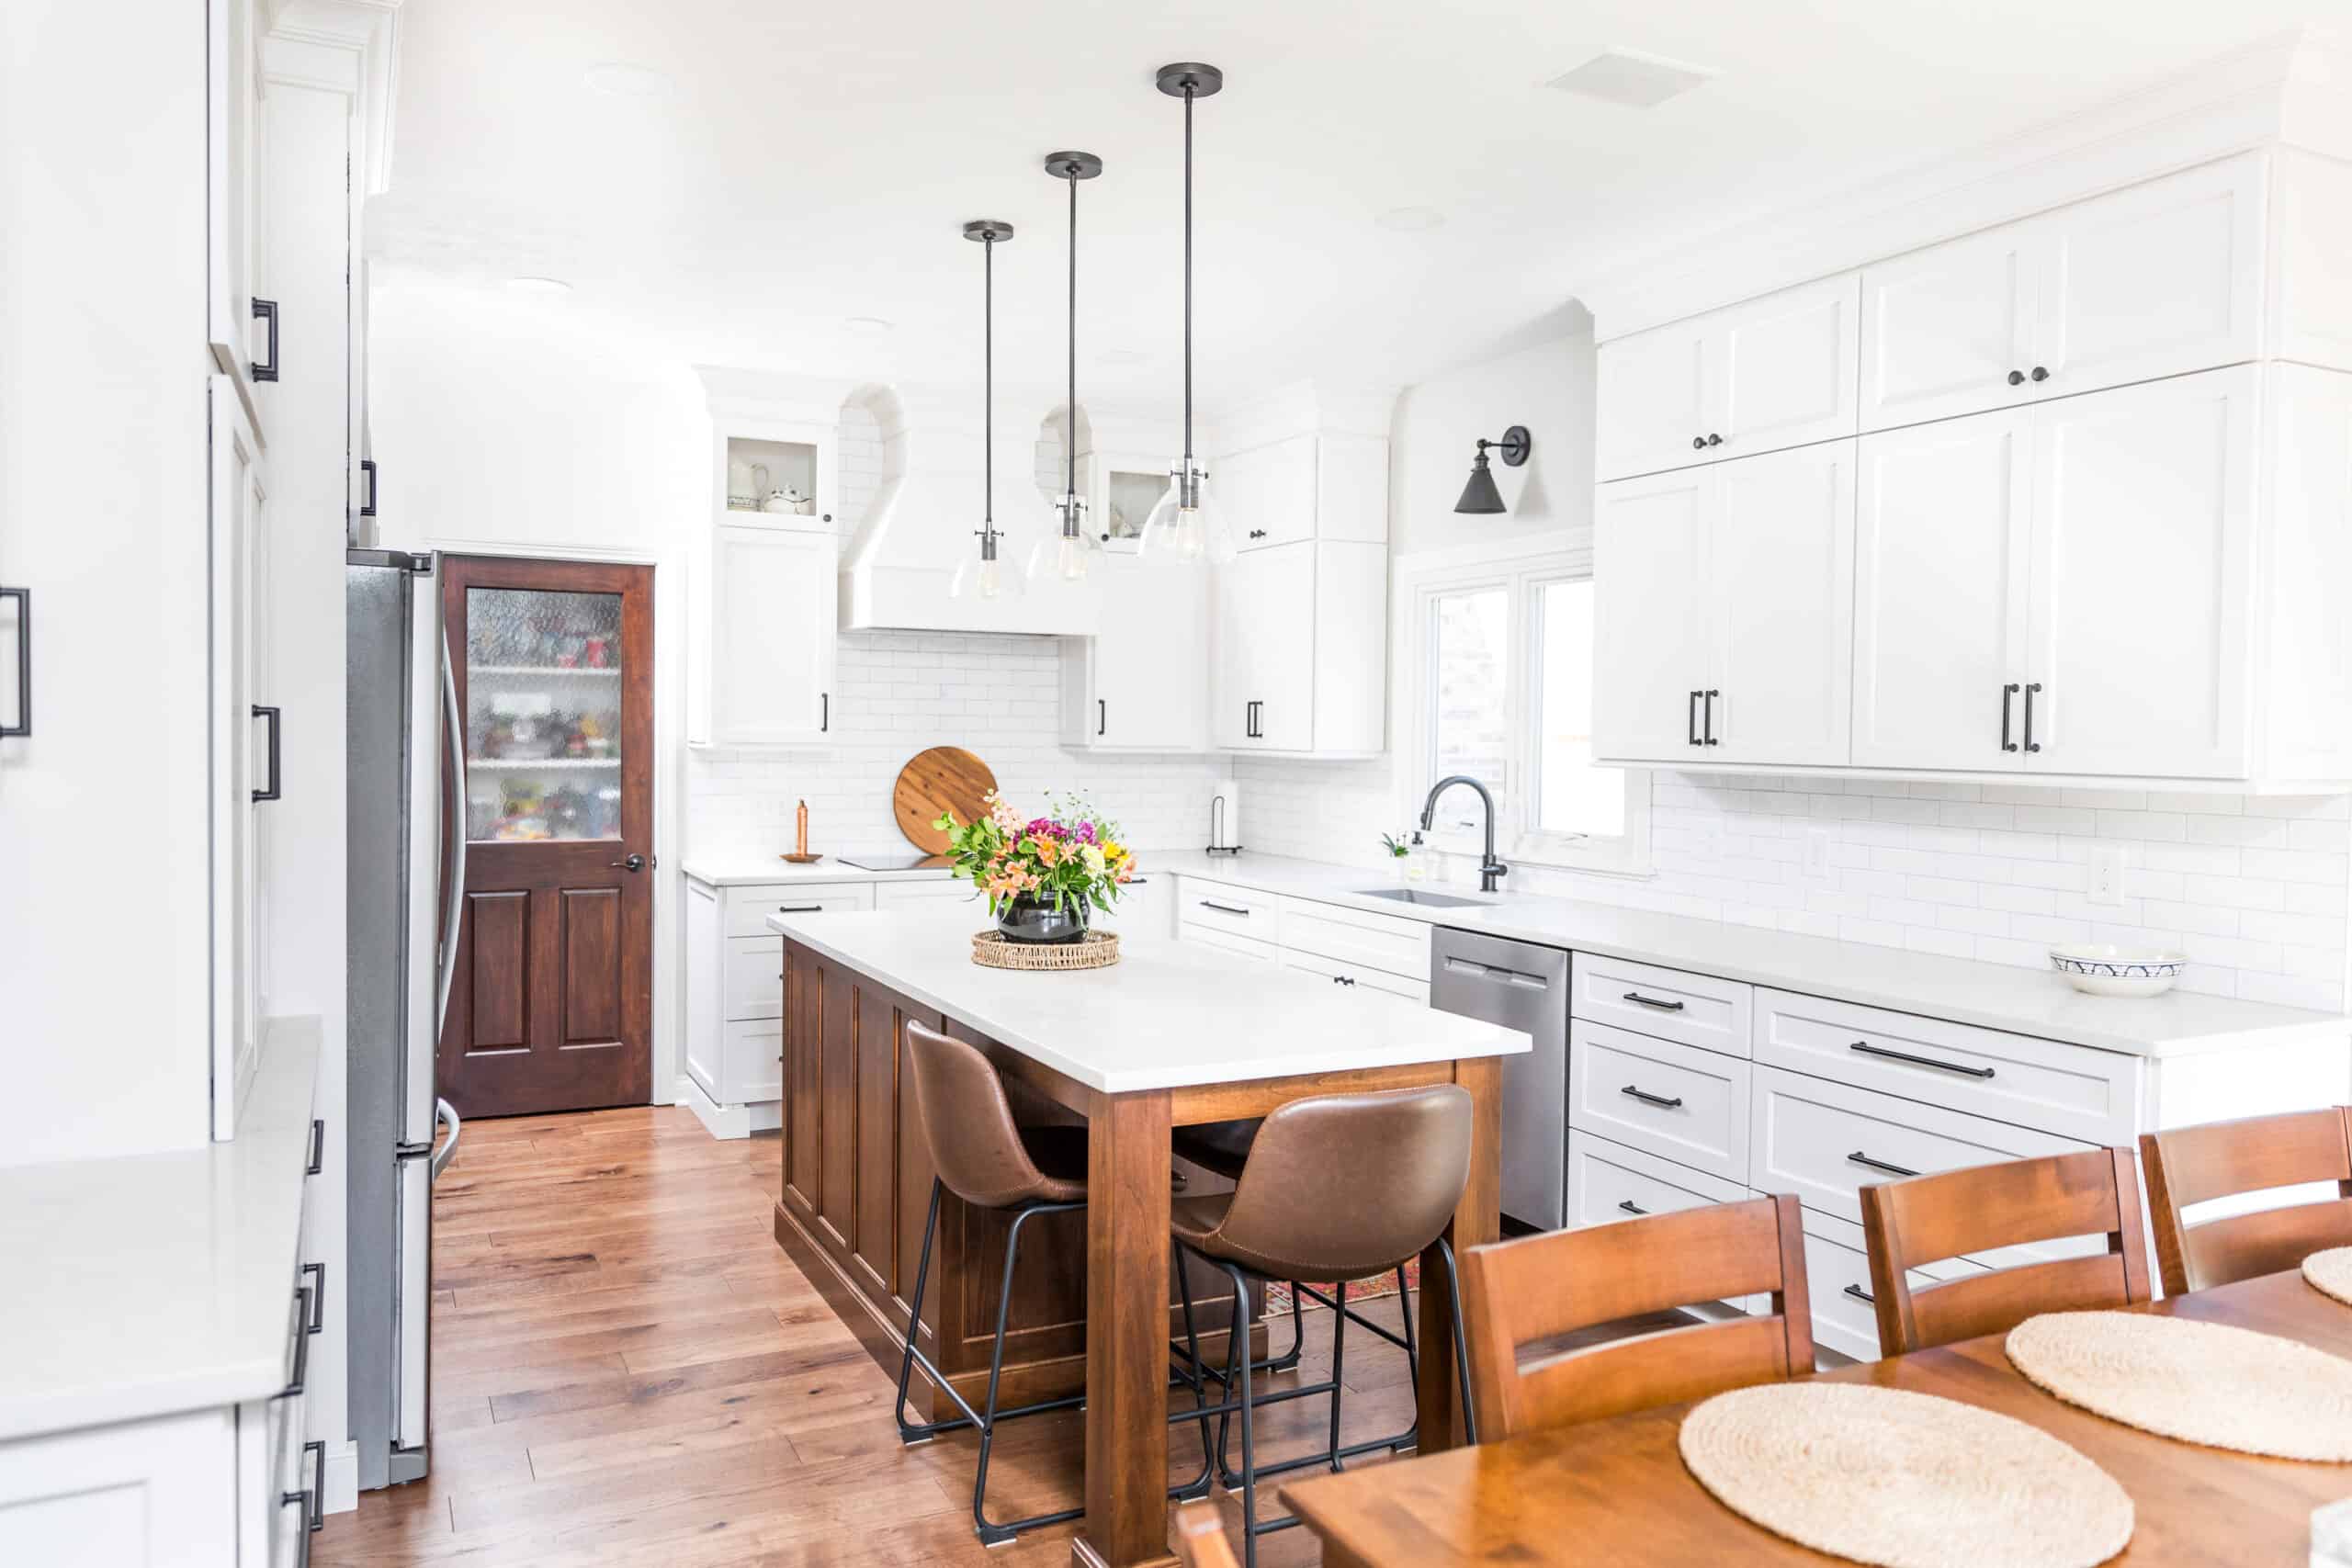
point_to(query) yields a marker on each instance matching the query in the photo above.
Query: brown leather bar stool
(1221, 1148)
(1342, 1187)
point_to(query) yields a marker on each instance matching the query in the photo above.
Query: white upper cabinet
(234, 189)
(1771, 373)
(1301, 650)
(1323, 485)
(1725, 624)
(2157, 279)
(1141, 682)
(773, 604)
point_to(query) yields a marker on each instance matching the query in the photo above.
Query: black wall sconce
(1480, 494)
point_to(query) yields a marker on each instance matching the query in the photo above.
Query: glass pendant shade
(1068, 547)
(1187, 534)
(983, 576)
(1480, 496)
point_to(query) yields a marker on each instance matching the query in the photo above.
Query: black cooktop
(895, 860)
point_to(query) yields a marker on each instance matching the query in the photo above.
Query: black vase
(1031, 919)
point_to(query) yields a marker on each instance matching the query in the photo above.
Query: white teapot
(789, 500)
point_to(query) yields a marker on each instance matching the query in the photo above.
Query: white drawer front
(752, 1055)
(749, 907)
(899, 895)
(1672, 1004)
(754, 984)
(1689, 1105)
(1816, 1139)
(1351, 976)
(1610, 1181)
(2043, 1084)
(1356, 938)
(1232, 909)
(1218, 937)
(1837, 1277)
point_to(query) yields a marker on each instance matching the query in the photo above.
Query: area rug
(1359, 1291)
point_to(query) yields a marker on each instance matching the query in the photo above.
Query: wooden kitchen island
(1173, 1035)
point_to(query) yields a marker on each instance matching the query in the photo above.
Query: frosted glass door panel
(543, 715)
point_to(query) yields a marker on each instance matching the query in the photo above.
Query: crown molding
(346, 46)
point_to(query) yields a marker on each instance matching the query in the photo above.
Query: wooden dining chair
(2220, 1159)
(1521, 1292)
(1200, 1538)
(1926, 1219)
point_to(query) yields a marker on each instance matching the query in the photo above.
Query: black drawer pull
(265, 369)
(1861, 1294)
(318, 1160)
(1631, 1207)
(318, 1319)
(1857, 1157)
(24, 721)
(293, 1389)
(270, 791)
(1225, 908)
(2009, 696)
(799, 908)
(1661, 1101)
(367, 477)
(1867, 1049)
(1653, 1002)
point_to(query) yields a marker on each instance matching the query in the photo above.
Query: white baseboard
(730, 1121)
(343, 1478)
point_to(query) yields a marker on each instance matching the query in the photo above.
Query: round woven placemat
(2202, 1382)
(1095, 950)
(2330, 1273)
(1903, 1479)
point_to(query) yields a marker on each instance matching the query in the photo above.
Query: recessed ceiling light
(1627, 76)
(542, 287)
(616, 80)
(1410, 220)
(1121, 356)
(869, 326)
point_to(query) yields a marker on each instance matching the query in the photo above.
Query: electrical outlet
(1817, 852)
(2107, 873)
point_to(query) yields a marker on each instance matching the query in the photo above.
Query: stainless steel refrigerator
(404, 907)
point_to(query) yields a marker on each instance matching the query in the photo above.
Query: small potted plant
(1402, 848)
(1045, 876)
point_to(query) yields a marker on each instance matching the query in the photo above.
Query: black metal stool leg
(1248, 1449)
(1461, 1342)
(1412, 1433)
(1338, 1354)
(909, 1434)
(1195, 1378)
(992, 1534)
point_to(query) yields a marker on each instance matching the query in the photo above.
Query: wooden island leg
(1478, 1218)
(1126, 1332)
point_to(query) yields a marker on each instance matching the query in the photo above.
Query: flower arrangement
(1070, 860)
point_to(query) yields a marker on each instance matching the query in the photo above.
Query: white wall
(2254, 889)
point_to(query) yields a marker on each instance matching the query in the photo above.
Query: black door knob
(2017, 378)
(634, 863)
(2041, 373)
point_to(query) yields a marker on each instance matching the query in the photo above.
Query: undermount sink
(1415, 895)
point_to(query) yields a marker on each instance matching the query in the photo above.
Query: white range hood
(896, 570)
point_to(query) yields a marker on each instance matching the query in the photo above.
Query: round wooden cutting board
(945, 778)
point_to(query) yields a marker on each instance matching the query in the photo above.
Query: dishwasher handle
(1496, 972)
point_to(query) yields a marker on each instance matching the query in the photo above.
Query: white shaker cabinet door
(1942, 533)
(1650, 624)
(1266, 651)
(1784, 368)
(1945, 329)
(1654, 401)
(1147, 681)
(1781, 600)
(2158, 279)
(2144, 547)
(774, 605)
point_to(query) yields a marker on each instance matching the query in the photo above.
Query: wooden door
(2143, 559)
(550, 1005)
(1944, 328)
(1941, 556)
(1780, 581)
(1782, 370)
(1650, 628)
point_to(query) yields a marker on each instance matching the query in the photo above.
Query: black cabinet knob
(2041, 373)
(2017, 378)
(1714, 440)
(1698, 444)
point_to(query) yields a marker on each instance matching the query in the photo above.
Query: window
(1504, 662)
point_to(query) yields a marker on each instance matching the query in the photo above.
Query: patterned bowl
(2100, 970)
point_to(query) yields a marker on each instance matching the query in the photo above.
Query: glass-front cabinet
(543, 715)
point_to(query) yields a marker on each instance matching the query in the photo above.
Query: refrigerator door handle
(455, 913)
(445, 1115)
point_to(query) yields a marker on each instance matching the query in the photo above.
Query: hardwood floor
(627, 1371)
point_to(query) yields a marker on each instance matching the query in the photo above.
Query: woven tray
(1095, 950)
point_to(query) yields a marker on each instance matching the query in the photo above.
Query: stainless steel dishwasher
(1519, 985)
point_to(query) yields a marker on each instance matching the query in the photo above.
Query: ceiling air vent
(1622, 76)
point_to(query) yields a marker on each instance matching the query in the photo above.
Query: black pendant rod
(1069, 407)
(1185, 495)
(988, 232)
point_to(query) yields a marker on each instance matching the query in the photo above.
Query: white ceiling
(812, 164)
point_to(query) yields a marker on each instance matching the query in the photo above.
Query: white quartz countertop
(1169, 1015)
(751, 870)
(150, 1284)
(1992, 996)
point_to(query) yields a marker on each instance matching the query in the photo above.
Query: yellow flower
(1095, 859)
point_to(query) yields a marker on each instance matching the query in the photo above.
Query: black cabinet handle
(266, 369)
(1698, 444)
(1713, 440)
(1661, 1101)
(1709, 706)
(1225, 908)
(2017, 378)
(2030, 743)
(1101, 716)
(293, 1390)
(1857, 1157)
(1861, 1294)
(824, 712)
(2009, 695)
(272, 792)
(312, 1498)
(1653, 1002)
(1867, 1049)
(1631, 1207)
(1690, 719)
(318, 1273)
(368, 474)
(318, 1160)
(24, 724)
(799, 908)
(1257, 533)
(2041, 373)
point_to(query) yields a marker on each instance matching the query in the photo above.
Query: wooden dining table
(1616, 1491)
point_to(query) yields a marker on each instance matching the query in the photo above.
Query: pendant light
(983, 576)
(1186, 525)
(1067, 551)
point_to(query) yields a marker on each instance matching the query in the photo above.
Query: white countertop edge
(2043, 1005)
(1504, 1041)
(87, 1381)
(732, 872)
